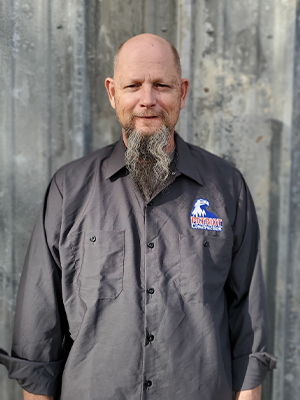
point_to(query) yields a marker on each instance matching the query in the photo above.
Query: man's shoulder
(86, 162)
(211, 165)
(202, 155)
(82, 170)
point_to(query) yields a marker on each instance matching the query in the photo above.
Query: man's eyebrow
(168, 80)
(130, 81)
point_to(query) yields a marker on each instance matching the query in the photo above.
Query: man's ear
(184, 89)
(110, 87)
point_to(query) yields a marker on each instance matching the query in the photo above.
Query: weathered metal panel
(66, 79)
(19, 140)
(34, 138)
(242, 59)
(8, 389)
(282, 79)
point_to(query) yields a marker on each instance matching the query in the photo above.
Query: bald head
(148, 39)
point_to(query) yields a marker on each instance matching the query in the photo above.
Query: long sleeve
(246, 300)
(39, 340)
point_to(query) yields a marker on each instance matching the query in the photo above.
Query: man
(142, 279)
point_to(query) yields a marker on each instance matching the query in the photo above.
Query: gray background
(242, 59)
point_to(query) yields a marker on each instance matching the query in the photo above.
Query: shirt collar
(116, 160)
(185, 162)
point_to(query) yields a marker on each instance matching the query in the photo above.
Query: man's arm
(30, 396)
(246, 303)
(253, 394)
(41, 340)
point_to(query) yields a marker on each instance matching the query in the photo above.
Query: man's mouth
(147, 117)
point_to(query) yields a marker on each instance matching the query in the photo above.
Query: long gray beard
(146, 159)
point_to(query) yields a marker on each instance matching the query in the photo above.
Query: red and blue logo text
(203, 219)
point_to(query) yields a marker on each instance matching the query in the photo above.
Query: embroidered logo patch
(203, 219)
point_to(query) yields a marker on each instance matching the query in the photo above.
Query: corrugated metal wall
(243, 60)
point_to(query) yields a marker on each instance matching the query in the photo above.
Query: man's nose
(147, 98)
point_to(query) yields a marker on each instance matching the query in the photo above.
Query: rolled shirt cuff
(250, 371)
(43, 378)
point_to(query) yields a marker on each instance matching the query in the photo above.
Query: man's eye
(161, 85)
(134, 85)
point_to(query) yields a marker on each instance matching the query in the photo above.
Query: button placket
(150, 352)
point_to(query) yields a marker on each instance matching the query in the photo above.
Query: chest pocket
(204, 266)
(99, 258)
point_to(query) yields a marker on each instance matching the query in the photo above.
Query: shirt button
(151, 290)
(206, 243)
(93, 239)
(148, 383)
(150, 245)
(150, 338)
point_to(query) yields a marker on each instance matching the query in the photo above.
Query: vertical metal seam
(258, 31)
(222, 64)
(192, 68)
(13, 147)
(84, 79)
(144, 15)
(49, 90)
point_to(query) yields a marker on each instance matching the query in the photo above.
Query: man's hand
(30, 396)
(253, 394)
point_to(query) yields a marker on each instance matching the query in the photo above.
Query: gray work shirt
(122, 298)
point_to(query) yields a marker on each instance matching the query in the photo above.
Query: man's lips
(147, 117)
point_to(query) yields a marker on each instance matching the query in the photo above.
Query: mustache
(129, 127)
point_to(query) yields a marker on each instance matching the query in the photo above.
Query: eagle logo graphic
(203, 219)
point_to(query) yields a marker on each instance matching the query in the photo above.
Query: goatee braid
(146, 159)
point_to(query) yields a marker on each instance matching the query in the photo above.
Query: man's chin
(146, 130)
